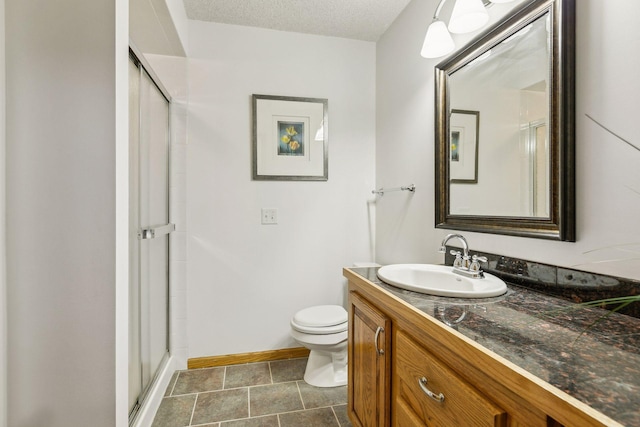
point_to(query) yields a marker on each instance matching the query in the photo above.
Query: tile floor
(257, 394)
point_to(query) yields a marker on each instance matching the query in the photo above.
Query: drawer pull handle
(422, 382)
(379, 350)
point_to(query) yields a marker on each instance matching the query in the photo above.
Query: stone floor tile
(172, 383)
(318, 397)
(198, 397)
(221, 406)
(322, 417)
(288, 370)
(199, 380)
(272, 399)
(342, 415)
(268, 421)
(247, 375)
(174, 411)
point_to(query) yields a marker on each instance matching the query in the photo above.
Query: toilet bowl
(323, 330)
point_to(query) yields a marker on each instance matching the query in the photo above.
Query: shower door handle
(153, 232)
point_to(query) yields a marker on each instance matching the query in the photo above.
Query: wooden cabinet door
(369, 364)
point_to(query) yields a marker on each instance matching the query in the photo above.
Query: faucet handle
(458, 261)
(475, 262)
(479, 258)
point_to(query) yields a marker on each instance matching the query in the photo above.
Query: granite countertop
(552, 338)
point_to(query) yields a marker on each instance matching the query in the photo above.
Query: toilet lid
(321, 316)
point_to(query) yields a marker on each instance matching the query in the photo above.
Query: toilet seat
(321, 320)
(320, 331)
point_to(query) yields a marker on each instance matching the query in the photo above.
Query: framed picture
(290, 138)
(464, 128)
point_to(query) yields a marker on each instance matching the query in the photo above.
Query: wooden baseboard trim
(240, 358)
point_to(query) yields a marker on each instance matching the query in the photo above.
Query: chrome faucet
(462, 260)
(464, 264)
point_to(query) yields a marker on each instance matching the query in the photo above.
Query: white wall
(121, 217)
(66, 82)
(246, 280)
(3, 253)
(178, 16)
(158, 26)
(607, 177)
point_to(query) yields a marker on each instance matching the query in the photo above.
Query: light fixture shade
(320, 132)
(438, 41)
(467, 16)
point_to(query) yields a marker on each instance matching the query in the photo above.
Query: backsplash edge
(571, 284)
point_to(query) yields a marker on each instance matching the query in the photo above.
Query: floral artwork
(464, 128)
(455, 145)
(291, 135)
(290, 140)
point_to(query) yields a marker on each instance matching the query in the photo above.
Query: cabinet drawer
(453, 402)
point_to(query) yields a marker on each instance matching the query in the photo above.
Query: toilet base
(326, 369)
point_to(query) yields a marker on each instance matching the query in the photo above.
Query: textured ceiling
(353, 19)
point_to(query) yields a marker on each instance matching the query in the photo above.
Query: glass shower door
(149, 233)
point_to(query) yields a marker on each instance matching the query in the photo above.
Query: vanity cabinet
(408, 369)
(369, 357)
(426, 392)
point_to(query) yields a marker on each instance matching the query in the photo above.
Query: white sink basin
(440, 280)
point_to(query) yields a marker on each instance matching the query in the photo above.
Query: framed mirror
(505, 127)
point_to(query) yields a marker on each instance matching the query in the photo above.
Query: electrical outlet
(269, 216)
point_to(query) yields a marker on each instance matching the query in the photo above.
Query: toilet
(323, 330)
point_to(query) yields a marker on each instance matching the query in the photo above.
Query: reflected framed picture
(290, 138)
(464, 128)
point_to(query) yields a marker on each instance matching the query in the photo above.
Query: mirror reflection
(498, 132)
(505, 122)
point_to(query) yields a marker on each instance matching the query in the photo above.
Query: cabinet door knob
(422, 382)
(379, 350)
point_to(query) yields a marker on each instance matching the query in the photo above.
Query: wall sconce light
(467, 16)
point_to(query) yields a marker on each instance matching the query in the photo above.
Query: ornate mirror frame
(560, 225)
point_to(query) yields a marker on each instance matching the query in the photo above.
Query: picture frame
(290, 138)
(464, 130)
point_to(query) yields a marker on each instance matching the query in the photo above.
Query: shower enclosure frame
(142, 234)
